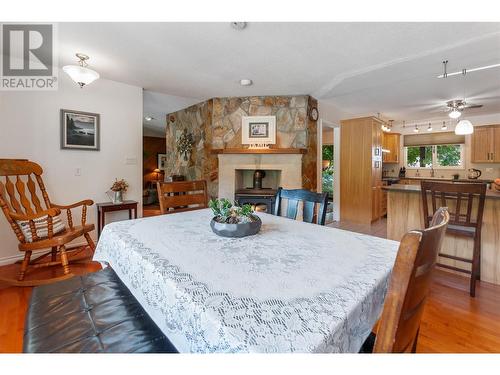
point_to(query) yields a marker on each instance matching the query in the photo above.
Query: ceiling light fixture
(429, 128)
(246, 82)
(463, 71)
(416, 129)
(444, 127)
(455, 113)
(149, 118)
(464, 127)
(238, 25)
(80, 73)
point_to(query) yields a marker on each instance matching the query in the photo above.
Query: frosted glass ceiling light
(444, 127)
(464, 127)
(429, 128)
(80, 73)
(455, 113)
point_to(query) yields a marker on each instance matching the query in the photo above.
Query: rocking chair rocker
(35, 227)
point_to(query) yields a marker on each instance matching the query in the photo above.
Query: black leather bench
(94, 313)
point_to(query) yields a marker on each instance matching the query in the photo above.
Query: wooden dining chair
(465, 202)
(310, 201)
(408, 288)
(36, 220)
(182, 196)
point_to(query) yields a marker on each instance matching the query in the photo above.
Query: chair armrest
(86, 202)
(50, 212)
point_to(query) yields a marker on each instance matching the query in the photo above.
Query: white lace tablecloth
(294, 287)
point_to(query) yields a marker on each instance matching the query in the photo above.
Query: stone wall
(216, 124)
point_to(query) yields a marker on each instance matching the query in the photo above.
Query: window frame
(435, 165)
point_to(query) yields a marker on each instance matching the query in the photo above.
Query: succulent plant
(226, 212)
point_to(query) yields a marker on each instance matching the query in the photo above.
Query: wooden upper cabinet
(485, 144)
(390, 144)
(496, 144)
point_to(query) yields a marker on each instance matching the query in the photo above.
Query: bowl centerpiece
(232, 220)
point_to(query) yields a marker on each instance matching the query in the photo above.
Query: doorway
(328, 166)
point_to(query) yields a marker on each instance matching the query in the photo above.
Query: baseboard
(14, 258)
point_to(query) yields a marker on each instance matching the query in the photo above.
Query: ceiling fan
(455, 107)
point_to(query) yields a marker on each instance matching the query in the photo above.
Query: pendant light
(80, 73)
(464, 127)
(429, 128)
(444, 127)
(416, 129)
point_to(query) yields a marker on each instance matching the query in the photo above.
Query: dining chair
(399, 324)
(309, 199)
(37, 223)
(467, 201)
(182, 196)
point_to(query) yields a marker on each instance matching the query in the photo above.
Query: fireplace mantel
(259, 151)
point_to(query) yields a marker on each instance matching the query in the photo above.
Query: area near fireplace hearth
(215, 125)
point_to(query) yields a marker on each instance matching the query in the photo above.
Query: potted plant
(118, 188)
(233, 221)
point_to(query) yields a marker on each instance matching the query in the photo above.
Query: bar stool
(465, 220)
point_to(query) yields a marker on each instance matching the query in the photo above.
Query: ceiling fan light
(464, 127)
(81, 75)
(455, 113)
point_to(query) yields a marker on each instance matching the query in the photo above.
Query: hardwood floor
(377, 228)
(151, 210)
(453, 322)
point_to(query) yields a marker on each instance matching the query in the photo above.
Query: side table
(102, 208)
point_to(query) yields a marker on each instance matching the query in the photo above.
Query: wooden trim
(259, 151)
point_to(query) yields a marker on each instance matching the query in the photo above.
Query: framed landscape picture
(80, 130)
(162, 161)
(258, 130)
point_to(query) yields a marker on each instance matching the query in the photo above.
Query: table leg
(129, 213)
(135, 212)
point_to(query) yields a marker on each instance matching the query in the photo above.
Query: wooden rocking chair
(24, 210)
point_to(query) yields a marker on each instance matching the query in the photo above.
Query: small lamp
(157, 171)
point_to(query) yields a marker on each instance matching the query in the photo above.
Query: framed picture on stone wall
(259, 130)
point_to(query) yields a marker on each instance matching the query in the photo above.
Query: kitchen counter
(419, 178)
(405, 212)
(416, 189)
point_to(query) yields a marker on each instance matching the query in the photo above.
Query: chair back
(21, 190)
(309, 199)
(465, 202)
(409, 286)
(182, 196)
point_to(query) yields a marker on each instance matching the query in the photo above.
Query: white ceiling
(362, 68)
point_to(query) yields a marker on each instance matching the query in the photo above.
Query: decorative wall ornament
(259, 130)
(80, 130)
(185, 143)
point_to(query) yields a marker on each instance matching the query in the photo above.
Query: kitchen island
(405, 212)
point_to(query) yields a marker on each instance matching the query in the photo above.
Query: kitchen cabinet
(485, 144)
(383, 200)
(360, 169)
(390, 146)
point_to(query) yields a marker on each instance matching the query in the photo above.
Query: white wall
(30, 129)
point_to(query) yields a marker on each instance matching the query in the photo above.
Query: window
(438, 157)
(419, 156)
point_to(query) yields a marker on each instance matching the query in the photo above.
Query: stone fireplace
(236, 176)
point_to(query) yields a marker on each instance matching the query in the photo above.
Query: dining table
(292, 287)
